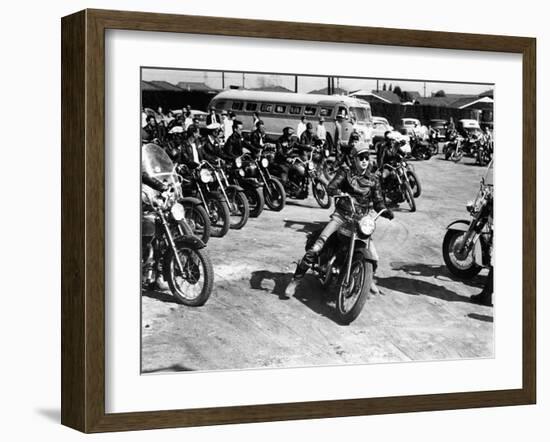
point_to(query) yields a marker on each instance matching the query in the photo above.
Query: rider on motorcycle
(364, 187)
(257, 139)
(284, 154)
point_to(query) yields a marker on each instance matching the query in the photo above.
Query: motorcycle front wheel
(320, 193)
(256, 201)
(198, 221)
(457, 156)
(219, 217)
(193, 285)
(408, 194)
(275, 195)
(414, 183)
(464, 267)
(352, 297)
(238, 209)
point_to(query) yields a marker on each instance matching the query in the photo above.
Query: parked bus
(281, 109)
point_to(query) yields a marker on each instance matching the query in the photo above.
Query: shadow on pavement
(304, 226)
(439, 271)
(308, 292)
(175, 367)
(484, 318)
(418, 287)
(160, 296)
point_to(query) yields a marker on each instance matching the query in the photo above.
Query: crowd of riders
(219, 137)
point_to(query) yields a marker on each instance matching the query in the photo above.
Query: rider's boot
(303, 266)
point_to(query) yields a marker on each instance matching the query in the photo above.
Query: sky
(305, 83)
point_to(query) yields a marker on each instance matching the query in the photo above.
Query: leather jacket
(364, 188)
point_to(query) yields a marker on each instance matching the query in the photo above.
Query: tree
(440, 93)
(384, 87)
(390, 88)
(397, 91)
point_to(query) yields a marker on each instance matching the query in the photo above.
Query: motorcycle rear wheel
(275, 196)
(238, 209)
(351, 299)
(320, 192)
(194, 286)
(462, 268)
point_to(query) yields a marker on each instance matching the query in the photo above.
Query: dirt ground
(422, 312)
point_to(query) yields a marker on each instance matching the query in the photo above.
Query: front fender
(368, 252)
(190, 200)
(234, 188)
(190, 241)
(460, 225)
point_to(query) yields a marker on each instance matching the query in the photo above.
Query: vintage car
(380, 127)
(409, 125)
(468, 127)
(440, 126)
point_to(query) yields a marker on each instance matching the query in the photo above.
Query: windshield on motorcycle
(155, 161)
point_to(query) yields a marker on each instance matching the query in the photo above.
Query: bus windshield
(361, 114)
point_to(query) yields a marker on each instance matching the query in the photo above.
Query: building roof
(385, 96)
(165, 85)
(148, 86)
(465, 102)
(195, 86)
(271, 89)
(324, 91)
(488, 93)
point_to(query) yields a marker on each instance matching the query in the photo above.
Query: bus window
(266, 107)
(295, 110)
(251, 107)
(237, 105)
(280, 109)
(310, 110)
(326, 112)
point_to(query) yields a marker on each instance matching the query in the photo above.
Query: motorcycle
(467, 244)
(349, 259)
(234, 196)
(196, 184)
(169, 248)
(453, 148)
(485, 152)
(306, 170)
(421, 149)
(274, 191)
(398, 185)
(471, 144)
(252, 188)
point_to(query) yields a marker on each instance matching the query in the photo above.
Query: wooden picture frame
(83, 220)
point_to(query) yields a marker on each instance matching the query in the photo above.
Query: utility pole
(328, 86)
(243, 80)
(424, 89)
(296, 83)
(377, 86)
(223, 80)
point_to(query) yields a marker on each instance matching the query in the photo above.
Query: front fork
(350, 258)
(171, 240)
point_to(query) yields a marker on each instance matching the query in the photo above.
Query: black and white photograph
(293, 220)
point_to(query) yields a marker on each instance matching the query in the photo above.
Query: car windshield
(360, 113)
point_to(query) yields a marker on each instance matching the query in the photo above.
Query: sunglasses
(363, 157)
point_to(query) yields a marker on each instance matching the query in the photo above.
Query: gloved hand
(388, 214)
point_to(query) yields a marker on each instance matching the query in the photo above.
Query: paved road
(422, 313)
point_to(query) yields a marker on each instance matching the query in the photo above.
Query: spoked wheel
(408, 194)
(238, 209)
(459, 261)
(275, 195)
(353, 295)
(320, 193)
(414, 183)
(219, 217)
(457, 156)
(256, 201)
(198, 221)
(192, 283)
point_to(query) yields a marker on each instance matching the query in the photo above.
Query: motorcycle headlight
(241, 172)
(206, 176)
(327, 153)
(265, 163)
(178, 212)
(470, 206)
(310, 165)
(367, 226)
(238, 162)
